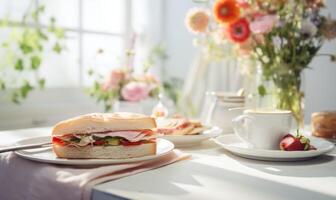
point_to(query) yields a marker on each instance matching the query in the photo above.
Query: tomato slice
(99, 142)
(128, 143)
(58, 141)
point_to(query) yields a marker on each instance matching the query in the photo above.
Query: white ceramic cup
(263, 129)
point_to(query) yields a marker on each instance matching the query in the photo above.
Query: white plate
(192, 140)
(308, 132)
(46, 155)
(233, 144)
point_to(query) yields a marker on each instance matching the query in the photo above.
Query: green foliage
(157, 53)
(35, 62)
(172, 89)
(41, 83)
(19, 65)
(24, 49)
(333, 58)
(107, 97)
(262, 90)
(2, 85)
(285, 52)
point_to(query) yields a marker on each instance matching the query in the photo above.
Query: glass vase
(280, 91)
(289, 96)
(128, 106)
(142, 107)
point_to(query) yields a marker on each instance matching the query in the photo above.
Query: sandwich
(179, 126)
(105, 135)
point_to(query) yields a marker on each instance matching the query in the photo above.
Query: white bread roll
(100, 122)
(105, 152)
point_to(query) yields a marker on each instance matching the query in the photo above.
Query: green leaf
(5, 44)
(59, 33)
(41, 83)
(15, 98)
(41, 8)
(25, 47)
(42, 35)
(35, 62)
(57, 48)
(3, 22)
(107, 107)
(261, 90)
(90, 72)
(25, 89)
(333, 58)
(2, 85)
(52, 20)
(35, 15)
(19, 65)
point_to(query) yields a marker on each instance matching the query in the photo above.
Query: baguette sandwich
(105, 135)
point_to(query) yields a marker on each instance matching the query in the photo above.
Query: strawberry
(295, 143)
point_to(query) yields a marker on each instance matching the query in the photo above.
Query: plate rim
(91, 162)
(263, 153)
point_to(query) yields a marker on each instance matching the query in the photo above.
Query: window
(89, 25)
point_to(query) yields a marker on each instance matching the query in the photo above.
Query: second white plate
(46, 155)
(192, 140)
(233, 144)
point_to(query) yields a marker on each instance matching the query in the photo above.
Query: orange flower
(239, 31)
(226, 11)
(197, 20)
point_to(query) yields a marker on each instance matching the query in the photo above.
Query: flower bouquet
(123, 84)
(282, 35)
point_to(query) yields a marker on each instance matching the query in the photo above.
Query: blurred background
(86, 35)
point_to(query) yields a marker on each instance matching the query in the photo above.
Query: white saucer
(46, 155)
(233, 144)
(192, 140)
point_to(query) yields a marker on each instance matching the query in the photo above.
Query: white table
(213, 173)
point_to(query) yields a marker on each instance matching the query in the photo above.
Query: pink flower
(263, 24)
(135, 91)
(243, 4)
(114, 79)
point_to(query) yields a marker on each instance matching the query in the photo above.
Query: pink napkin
(24, 179)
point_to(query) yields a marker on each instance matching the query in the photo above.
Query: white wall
(177, 39)
(320, 81)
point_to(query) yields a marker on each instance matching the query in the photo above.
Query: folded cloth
(25, 179)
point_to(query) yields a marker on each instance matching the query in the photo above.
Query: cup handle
(239, 128)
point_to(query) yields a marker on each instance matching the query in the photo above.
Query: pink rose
(135, 91)
(114, 79)
(263, 24)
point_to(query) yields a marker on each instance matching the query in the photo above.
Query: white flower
(308, 29)
(276, 41)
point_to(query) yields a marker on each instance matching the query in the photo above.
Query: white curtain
(204, 76)
(147, 26)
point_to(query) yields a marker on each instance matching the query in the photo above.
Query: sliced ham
(132, 136)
